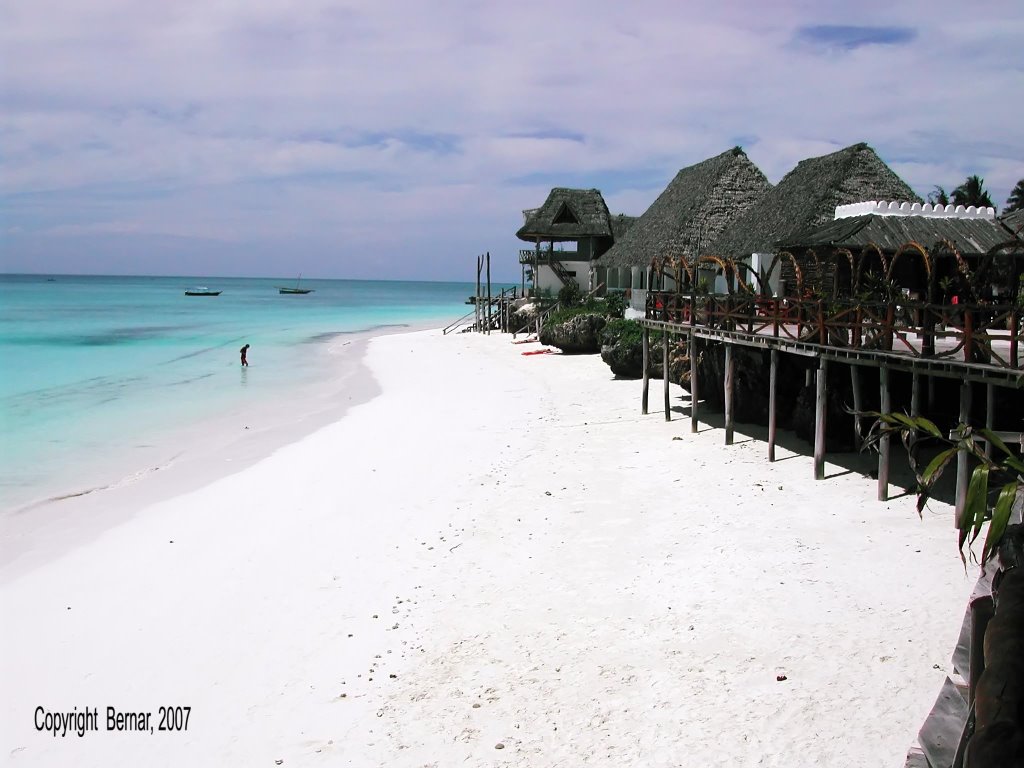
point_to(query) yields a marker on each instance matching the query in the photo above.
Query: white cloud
(240, 122)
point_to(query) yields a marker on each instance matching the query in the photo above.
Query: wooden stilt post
(915, 402)
(819, 419)
(694, 395)
(962, 476)
(729, 371)
(858, 405)
(488, 293)
(773, 374)
(476, 299)
(990, 414)
(664, 364)
(885, 406)
(647, 369)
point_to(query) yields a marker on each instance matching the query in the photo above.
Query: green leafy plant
(627, 331)
(994, 481)
(615, 304)
(569, 295)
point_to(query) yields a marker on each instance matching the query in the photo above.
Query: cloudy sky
(377, 138)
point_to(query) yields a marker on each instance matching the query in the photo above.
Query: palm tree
(1015, 201)
(972, 192)
(938, 196)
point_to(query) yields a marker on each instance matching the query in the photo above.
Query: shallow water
(93, 365)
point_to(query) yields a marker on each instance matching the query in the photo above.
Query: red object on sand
(539, 352)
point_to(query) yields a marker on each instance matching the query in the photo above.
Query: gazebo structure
(931, 253)
(577, 216)
(806, 198)
(694, 209)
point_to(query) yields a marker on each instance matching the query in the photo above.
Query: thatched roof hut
(696, 207)
(568, 214)
(970, 236)
(807, 198)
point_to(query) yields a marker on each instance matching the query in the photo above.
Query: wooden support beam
(915, 403)
(819, 419)
(858, 405)
(694, 388)
(664, 363)
(962, 465)
(477, 306)
(488, 293)
(647, 369)
(773, 374)
(990, 414)
(885, 406)
(729, 376)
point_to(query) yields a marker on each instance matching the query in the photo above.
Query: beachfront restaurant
(700, 202)
(571, 229)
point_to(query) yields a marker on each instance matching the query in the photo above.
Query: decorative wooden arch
(742, 267)
(678, 266)
(913, 245)
(853, 266)
(796, 269)
(728, 267)
(817, 280)
(859, 272)
(657, 269)
(967, 279)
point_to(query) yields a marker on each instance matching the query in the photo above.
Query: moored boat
(201, 290)
(295, 290)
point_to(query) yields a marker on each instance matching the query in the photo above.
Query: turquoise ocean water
(90, 363)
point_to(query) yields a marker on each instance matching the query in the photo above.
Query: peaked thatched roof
(972, 237)
(568, 214)
(699, 203)
(621, 224)
(807, 198)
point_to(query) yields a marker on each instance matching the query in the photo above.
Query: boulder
(622, 348)
(523, 315)
(579, 335)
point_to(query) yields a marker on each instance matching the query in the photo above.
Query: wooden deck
(969, 343)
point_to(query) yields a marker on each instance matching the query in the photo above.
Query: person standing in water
(243, 351)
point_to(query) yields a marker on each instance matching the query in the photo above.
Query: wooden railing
(529, 255)
(977, 333)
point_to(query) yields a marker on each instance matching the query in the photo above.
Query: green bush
(566, 313)
(627, 331)
(615, 304)
(569, 295)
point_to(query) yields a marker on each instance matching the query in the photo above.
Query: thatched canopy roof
(568, 214)
(807, 198)
(700, 202)
(971, 237)
(1014, 222)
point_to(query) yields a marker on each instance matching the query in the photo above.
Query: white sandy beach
(494, 561)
